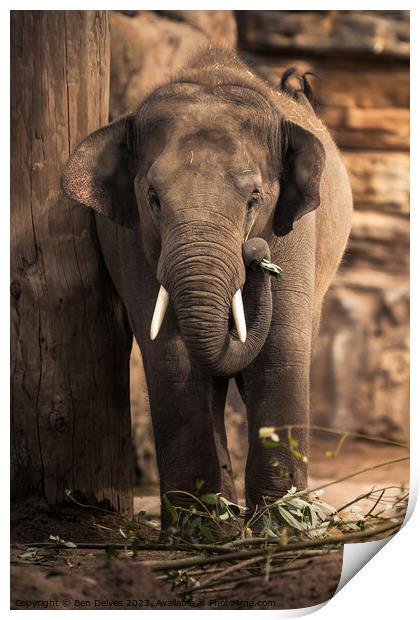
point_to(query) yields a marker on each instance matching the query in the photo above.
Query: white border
(387, 585)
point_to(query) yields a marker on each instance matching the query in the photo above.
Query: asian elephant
(215, 171)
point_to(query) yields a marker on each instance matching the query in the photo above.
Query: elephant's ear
(303, 162)
(100, 173)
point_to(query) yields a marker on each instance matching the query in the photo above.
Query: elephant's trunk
(202, 277)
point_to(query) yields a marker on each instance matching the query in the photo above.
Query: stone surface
(374, 128)
(368, 32)
(379, 180)
(379, 242)
(219, 26)
(360, 369)
(148, 47)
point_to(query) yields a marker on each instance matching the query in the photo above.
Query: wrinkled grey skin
(180, 183)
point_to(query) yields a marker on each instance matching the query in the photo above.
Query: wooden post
(70, 339)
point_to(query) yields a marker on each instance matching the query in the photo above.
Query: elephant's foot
(179, 518)
(172, 508)
(269, 484)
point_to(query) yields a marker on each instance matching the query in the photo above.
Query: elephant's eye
(153, 200)
(254, 200)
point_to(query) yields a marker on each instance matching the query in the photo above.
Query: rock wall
(148, 46)
(360, 370)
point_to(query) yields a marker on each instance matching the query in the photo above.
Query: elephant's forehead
(205, 164)
(205, 136)
(205, 114)
(205, 154)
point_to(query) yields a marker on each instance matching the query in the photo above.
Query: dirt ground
(85, 580)
(89, 579)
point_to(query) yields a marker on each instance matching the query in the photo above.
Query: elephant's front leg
(276, 391)
(184, 404)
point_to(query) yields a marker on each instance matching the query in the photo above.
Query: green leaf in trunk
(271, 268)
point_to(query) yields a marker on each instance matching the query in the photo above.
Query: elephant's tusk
(162, 303)
(239, 315)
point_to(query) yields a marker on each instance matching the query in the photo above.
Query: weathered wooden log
(70, 338)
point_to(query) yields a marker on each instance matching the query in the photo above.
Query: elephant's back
(334, 214)
(333, 217)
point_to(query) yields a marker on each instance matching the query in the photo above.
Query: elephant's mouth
(162, 303)
(223, 332)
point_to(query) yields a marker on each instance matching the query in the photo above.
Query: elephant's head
(193, 171)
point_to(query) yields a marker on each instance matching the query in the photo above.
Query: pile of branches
(212, 543)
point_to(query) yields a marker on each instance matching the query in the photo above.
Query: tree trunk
(70, 338)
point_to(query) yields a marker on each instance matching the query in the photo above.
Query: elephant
(215, 171)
